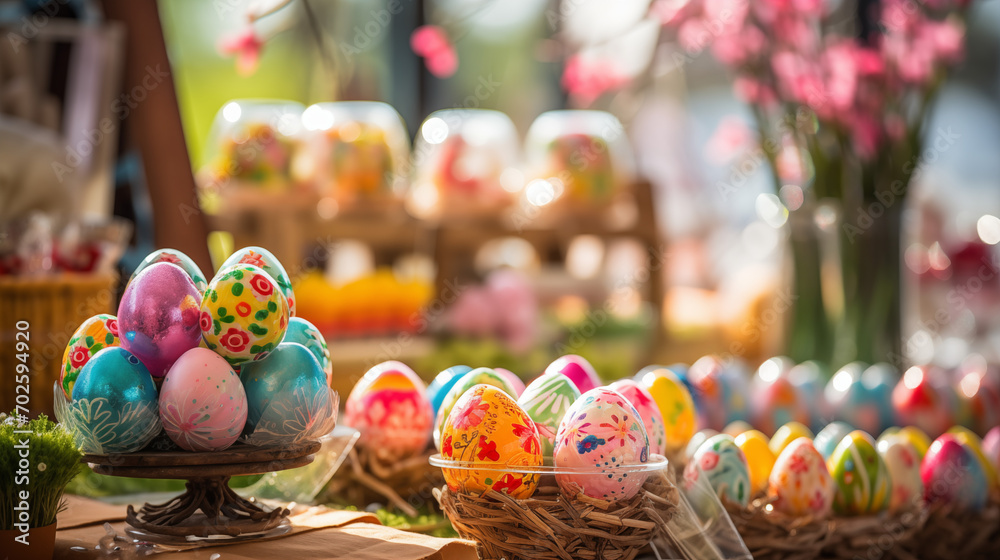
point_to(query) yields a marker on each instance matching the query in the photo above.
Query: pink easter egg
(158, 316)
(578, 370)
(203, 406)
(647, 408)
(515, 381)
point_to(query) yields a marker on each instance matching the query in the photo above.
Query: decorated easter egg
(173, 256)
(203, 406)
(601, 431)
(438, 388)
(546, 401)
(760, 459)
(478, 376)
(736, 428)
(808, 379)
(969, 439)
(980, 397)
(92, 336)
(787, 434)
(679, 370)
(288, 399)
(264, 260)
(862, 396)
(903, 463)
(829, 437)
(644, 404)
(442, 383)
(114, 404)
(776, 401)
(514, 380)
(918, 402)
(578, 370)
(953, 475)
(676, 408)
(696, 440)
(723, 462)
(486, 426)
(800, 483)
(244, 315)
(719, 392)
(158, 316)
(991, 447)
(389, 407)
(305, 333)
(863, 484)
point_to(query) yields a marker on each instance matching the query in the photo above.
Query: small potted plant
(37, 461)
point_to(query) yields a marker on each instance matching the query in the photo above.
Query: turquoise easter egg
(828, 438)
(478, 376)
(862, 481)
(305, 333)
(546, 401)
(442, 383)
(288, 399)
(114, 406)
(725, 465)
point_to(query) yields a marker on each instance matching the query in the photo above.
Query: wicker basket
(771, 535)
(950, 534)
(53, 307)
(407, 485)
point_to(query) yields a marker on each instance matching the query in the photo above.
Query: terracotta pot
(41, 543)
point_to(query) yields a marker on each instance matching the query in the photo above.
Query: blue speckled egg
(442, 383)
(287, 396)
(114, 407)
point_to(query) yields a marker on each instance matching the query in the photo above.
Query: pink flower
(709, 460)
(234, 340)
(432, 43)
(587, 78)
(730, 139)
(754, 92)
(472, 415)
(945, 38)
(246, 47)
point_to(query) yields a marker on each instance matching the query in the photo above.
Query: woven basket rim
(655, 463)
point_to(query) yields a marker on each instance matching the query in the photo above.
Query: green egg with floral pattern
(862, 484)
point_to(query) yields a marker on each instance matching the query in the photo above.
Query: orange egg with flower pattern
(486, 426)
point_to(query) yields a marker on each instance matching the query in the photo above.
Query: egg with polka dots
(601, 431)
(203, 406)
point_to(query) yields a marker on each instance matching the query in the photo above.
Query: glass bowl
(552, 522)
(459, 157)
(355, 151)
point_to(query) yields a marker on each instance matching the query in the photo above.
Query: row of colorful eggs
(846, 471)
(872, 398)
(174, 352)
(487, 416)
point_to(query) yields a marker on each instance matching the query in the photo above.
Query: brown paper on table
(318, 533)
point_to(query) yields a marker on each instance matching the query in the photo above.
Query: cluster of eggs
(869, 397)
(205, 360)
(498, 431)
(845, 471)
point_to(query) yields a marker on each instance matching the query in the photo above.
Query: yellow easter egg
(968, 438)
(676, 405)
(917, 437)
(487, 428)
(760, 459)
(787, 434)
